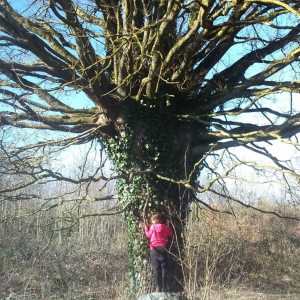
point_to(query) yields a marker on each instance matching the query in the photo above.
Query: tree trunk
(150, 156)
(141, 274)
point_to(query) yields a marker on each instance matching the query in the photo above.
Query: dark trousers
(159, 261)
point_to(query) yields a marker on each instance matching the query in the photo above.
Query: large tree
(169, 84)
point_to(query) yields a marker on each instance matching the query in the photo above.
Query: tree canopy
(117, 51)
(213, 62)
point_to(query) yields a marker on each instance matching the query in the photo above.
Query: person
(158, 234)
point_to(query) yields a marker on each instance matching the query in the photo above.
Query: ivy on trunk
(150, 144)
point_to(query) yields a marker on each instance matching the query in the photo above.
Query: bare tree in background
(170, 84)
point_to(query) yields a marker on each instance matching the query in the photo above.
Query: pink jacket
(158, 234)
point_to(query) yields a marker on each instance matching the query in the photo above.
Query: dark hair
(156, 216)
(160, 218)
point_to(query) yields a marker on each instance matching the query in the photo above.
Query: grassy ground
(245, 256)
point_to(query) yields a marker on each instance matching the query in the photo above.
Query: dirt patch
(250, 295)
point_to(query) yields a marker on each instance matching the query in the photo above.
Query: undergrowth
(247, 250)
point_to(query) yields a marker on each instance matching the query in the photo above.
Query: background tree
(162, 85)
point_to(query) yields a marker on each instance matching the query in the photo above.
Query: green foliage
(147, 141)
(146, 144)
(193, 14)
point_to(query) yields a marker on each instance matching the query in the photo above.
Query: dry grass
(88, 262)
(245, 256)
(242, 256)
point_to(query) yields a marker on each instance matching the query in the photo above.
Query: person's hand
(167, 222)
(142, 224)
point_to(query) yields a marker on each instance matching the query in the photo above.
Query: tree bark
(140, 269)
(153, 158)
